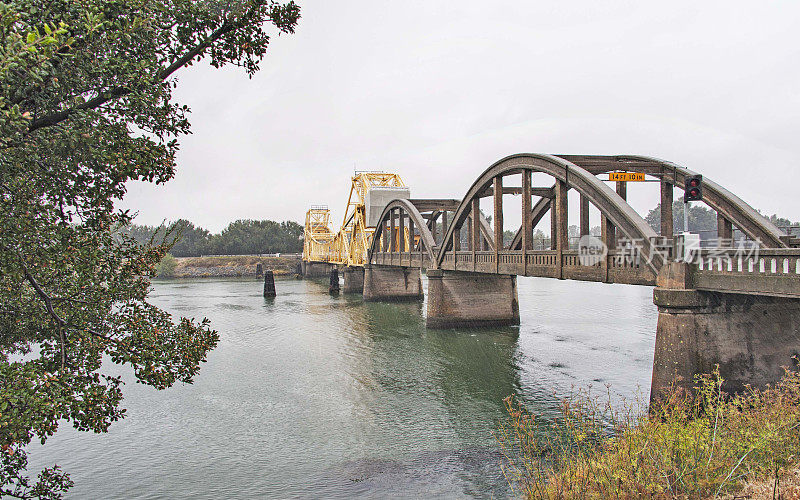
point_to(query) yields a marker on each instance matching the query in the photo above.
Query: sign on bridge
(626, 176)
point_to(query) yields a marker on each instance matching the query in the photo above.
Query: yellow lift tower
(317, 236)
(370, 192)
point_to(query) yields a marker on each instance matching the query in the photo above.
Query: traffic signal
(694, 188)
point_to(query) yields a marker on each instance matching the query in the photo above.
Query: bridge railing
(772, 272)
(403, 259)
(617, 267)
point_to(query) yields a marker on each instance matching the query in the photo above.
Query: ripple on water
(310, 395)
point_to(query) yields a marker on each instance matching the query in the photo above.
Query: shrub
(699, 444)
(166, 267)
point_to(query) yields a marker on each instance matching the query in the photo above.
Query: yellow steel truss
(317, 236)
(349, 246)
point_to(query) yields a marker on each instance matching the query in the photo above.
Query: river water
(313, 396)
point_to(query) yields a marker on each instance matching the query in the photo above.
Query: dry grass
(235, 260)
(701, 445)
(232, 265)
(786, 486)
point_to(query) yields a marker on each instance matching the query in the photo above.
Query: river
(313, 396)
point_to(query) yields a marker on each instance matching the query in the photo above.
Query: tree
(701, 218)
(85, 106)
(189, 241)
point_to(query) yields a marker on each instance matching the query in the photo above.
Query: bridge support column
(462, 299)
(750, 337)
(353, 279)
(313, 269)
(392, 283)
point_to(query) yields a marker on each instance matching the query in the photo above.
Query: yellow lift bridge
(370, 192)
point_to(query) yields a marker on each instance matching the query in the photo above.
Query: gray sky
(437, 91)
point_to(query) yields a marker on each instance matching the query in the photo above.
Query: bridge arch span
(570, 176)
(404, 208)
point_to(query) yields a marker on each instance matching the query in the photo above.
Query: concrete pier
(750, 337)
(389, 283)
(269, 284)
(466, 299)
(353, 279)
(315, 269)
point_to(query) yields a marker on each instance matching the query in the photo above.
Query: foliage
(243, 237)
(85, 106)
(701, 218)
(166, 266)
(189, 240)
(248, 237)
(694, 445)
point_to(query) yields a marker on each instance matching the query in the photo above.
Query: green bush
(166, 268)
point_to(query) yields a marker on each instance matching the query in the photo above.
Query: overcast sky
(437, 91)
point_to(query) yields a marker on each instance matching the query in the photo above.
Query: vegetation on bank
(242, 237)
(701, 445)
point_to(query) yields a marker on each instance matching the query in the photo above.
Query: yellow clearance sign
(626, 176)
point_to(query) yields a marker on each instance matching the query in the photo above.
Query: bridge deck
(772, 272)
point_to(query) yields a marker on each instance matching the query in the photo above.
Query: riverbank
(701, 445)
(220, 266)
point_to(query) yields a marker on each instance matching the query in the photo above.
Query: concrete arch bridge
(734, 305)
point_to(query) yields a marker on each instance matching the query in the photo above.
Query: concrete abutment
(353, 279)
(465, 299)
(391, 284)
(751, 338)
(313, 269)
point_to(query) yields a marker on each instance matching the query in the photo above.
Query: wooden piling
(269, 284)
(334, 283)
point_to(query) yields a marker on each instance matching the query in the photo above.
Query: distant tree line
(704, 220)
(242, 237)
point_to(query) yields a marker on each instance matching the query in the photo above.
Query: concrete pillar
(353, 279)
(269, 284)
(392, 283)
(667, 197)
(462, 299)
(498, 215)
(259, 270)
(751, 338)
(724, 230)
(313, 269)
(584, 216)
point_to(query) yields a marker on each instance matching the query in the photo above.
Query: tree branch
(48, 302)
(118, 92)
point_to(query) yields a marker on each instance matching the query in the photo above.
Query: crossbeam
(542, 192)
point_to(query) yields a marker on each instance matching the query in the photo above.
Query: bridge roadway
(733, 307)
